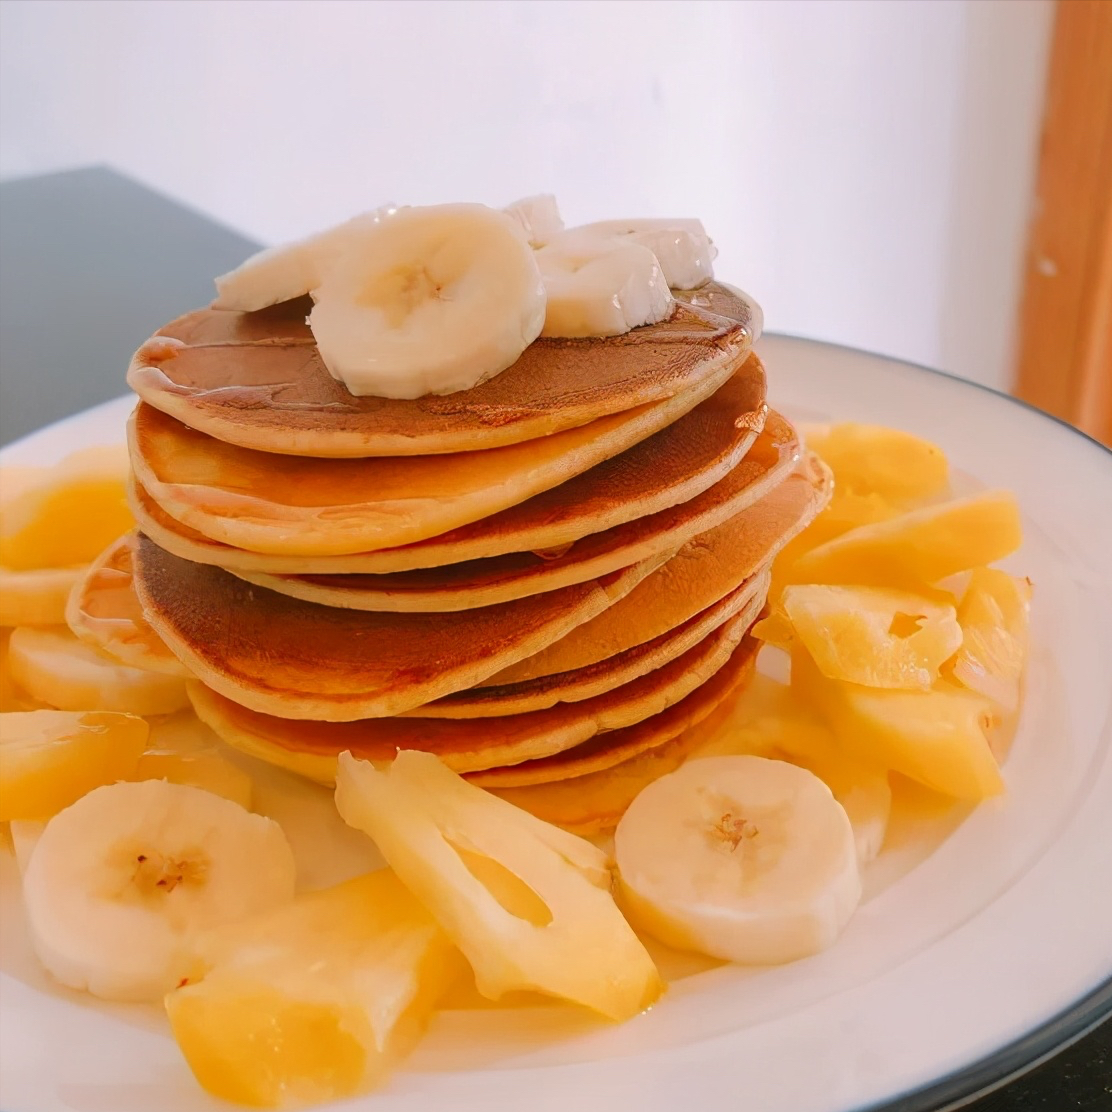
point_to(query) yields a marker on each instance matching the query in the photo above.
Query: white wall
(864, 165)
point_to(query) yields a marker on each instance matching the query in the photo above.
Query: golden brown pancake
(669, 467)
(596, 679)
(325, 507)
(607, 750)
(702, 572)
(104, 612)
(594, 802)
(468, 744)
(722, 300)
(283, 656)
(504, 578)
(257, 380)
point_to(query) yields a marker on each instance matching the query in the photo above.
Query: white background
(865, 166)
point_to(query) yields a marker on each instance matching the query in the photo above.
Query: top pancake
(257, 380)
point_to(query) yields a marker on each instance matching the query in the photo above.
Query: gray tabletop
(91, 263)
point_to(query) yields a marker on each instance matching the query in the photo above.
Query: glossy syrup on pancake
(257, 380)
(287, 657)
(312, 746)
(503, 578)
(294, 506)
(596, 679)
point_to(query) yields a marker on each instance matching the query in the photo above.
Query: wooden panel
(1065, 333)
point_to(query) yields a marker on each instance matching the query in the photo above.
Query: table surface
(91, 263)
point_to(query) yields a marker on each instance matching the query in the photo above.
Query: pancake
(605, 750)
(593, 803)
(311, 747)
(287, 657)
(723, 300)
(257, 380)
(504, 578)
(702, 572)
(596, 679)
(673, 465)
(104, 612)
(315, 507)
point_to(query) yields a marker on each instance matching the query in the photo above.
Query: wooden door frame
(1065, 322)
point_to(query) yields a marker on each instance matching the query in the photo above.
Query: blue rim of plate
(1029, 1051)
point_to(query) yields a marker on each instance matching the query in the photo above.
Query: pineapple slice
(52, 665)
(527, 903)
(938, 737)
(872, 635)
(56, 517)
(770, 720)
(50, 758)
(12, 697)
(315, 1001)
(184, 751)
(919, 547)
(994, 615)
(35, 598)
(873, 460)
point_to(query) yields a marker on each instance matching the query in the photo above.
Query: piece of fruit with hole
(528, 903)
(316, 1000)
(874, 636)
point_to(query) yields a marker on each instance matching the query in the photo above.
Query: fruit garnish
(51, 758)
(873, 636)
(53, 666)
(770, 719)
(994, 615)
(317, 1000)
(58, 517)
(740, 857)
(36, 597)
(681, 246)
(938, 737)
(539, 217)
(121, 880)
(12, 696)
(919, 547)
(527, 903)
(871, 460)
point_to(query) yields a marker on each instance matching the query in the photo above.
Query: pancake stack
(548, 580)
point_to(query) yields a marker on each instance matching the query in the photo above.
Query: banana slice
(539, 216)
(51, 665)
(292, 269)
(120, 882)
(434, 300)
(742, 858)
(682, 247)
(599, 287)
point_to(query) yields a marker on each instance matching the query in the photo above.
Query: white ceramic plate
(956, 970)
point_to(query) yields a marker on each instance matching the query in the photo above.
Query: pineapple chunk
(52, 665)
(938, 737)
(873, 636)
(184, 751)
(527, 903)
(919, 547)
(50, 758)
(873, 460)
(994, 615)
(315, 1001)
(55, 517)
(35, 598)
(771, 720)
